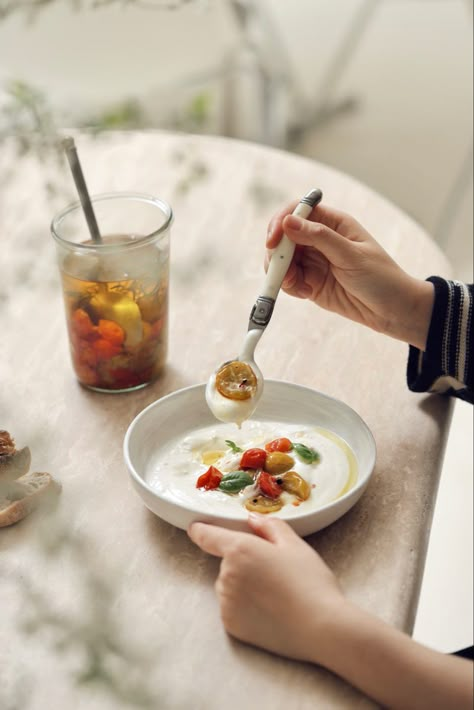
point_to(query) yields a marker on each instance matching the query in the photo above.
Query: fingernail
(255, 517)
(269, 232)
(293, 222)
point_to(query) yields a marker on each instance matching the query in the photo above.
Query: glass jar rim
(138, 196)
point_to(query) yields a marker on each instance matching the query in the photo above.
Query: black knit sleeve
(447, 364)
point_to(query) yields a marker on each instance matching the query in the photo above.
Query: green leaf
(306, 454)
(235, 449)
(235, 481)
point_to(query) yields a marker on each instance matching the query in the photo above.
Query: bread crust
(15, 464)
(20, 497)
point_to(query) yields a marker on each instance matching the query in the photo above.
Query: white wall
(411, 72)
(101, 55)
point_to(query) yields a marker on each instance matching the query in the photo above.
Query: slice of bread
(18, 498)
(14, 464)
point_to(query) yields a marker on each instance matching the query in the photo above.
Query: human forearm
(410, 318)
(390, 667)
(276, 593)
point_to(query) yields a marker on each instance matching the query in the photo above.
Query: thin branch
(32, 7)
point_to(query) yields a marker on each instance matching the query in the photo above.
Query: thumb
(272, 529)
(337, 249)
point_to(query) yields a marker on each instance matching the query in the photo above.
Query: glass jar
(116, 289)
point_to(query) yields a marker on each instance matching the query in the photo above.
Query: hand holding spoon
(233, 392)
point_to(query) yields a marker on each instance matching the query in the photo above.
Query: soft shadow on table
(171, 380)
(174, 546)
(133, 402)
(436, 406)
(340, 543)
(22, 532)
(340, 692)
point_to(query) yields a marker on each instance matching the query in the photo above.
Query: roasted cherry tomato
(210, 479)
(111, 331)
(236, 380)
(283, 445)
(105, 349)
(253, 458)
(262, 504)
(82, 324)
(292, 482)
(268, 485)
(277, 463)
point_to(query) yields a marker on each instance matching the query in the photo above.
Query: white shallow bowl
(180, 413)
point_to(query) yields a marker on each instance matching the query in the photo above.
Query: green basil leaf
(235, 481)
(305, 453)
(234, 447)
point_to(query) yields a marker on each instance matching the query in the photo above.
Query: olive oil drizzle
(351, 460)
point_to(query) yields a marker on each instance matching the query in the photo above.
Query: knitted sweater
(447, 365)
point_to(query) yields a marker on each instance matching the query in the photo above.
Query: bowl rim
(140, 481)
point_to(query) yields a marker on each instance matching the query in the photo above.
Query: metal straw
(73, 159)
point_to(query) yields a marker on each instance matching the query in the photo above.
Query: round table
(103, 604)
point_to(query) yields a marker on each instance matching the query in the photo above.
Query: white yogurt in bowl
(174, 440)
(174, 469)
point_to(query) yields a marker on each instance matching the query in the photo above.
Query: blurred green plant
(195, 169)
(28, 122)
(196, 114)
(125, 115)
(25, 110)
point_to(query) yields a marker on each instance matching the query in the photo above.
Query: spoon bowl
(233, 409)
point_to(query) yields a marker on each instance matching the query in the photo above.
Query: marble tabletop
(103, 604)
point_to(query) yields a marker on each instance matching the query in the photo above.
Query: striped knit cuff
(446, 365)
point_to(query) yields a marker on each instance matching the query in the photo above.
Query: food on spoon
(236, 380)
(277, 462)
(20, 492)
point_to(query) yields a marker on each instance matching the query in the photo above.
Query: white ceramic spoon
(227, 409)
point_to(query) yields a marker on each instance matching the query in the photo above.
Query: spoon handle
(278, 266)
(283, 253)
